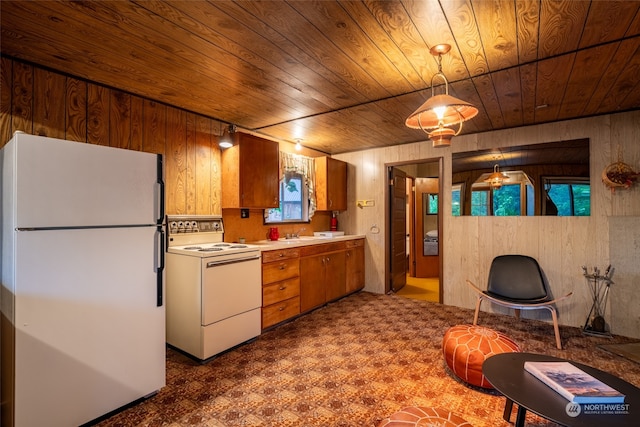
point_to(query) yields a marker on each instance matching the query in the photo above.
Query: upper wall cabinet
(250, 173)
(331, 184)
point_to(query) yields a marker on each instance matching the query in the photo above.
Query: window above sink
(294, 201)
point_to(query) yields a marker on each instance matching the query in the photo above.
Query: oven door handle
(231, 261)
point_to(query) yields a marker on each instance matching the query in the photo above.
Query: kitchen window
(294, 201)
(297, 190)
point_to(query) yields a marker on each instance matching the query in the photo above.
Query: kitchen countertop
(267, 245)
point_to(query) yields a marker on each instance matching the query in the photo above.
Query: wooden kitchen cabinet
(331, 184)
(250, 173)
(322, 274)
(355, 265)
(280, 285)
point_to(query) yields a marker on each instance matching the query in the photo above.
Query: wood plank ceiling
(343, 75)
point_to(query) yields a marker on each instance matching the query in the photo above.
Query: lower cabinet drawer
(281, 311)
(280, 291)
(280, 270)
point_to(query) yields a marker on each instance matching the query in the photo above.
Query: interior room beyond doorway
(426, 289)
(423, 225)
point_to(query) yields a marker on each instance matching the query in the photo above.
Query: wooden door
(411, 221)
(259, 174)
(335, 277)
(355, 267)
(312, 282)
(337, 183)
(331, 184)
(398, 229)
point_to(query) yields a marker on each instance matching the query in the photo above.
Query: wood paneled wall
(43, 102)
(46, 103)
(561, 244)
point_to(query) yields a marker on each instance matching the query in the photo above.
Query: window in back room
(566, 196)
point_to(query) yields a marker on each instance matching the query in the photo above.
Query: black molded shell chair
(516, 281)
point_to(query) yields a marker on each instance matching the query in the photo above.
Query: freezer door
(89, 335)
(63, 183)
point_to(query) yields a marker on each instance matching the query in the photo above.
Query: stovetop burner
(203, 237)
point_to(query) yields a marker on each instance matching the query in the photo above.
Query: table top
(506, 373)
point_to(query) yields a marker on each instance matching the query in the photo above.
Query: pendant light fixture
(496, 179)
(441, 112)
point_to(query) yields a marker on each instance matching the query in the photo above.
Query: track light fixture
(226, 140)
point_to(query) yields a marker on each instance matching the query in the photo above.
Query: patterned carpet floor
(351, 363)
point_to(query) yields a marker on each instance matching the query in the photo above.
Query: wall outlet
(244, 213)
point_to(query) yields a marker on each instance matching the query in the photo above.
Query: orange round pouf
(419, 416)
(466, 347)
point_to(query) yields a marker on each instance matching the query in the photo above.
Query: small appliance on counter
(328, 234)
(214, 289)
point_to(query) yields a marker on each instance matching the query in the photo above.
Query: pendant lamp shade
(441, 112)
(496, 179)
(453, 111)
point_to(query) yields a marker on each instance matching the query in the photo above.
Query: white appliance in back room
(83, 321)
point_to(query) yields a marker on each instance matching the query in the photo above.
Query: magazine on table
(573, 383)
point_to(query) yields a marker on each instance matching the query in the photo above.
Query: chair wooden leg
(475, 317)
(556, 330)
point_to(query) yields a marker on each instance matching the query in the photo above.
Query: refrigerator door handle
(159, 266)
(160, 186)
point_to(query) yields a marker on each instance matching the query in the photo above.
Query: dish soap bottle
(334, 221)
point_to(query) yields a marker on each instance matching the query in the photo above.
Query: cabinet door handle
(281, 308)
(281, 254)
(283, 266)
(282, 288)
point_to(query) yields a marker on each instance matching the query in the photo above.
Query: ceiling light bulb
(298, 145)
(225, 138)
(440, 112)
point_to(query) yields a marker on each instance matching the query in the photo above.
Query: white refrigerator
(83, 321)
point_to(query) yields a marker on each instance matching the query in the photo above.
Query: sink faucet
(298, 233)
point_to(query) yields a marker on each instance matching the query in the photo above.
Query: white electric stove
(202, 236)
(214, 289)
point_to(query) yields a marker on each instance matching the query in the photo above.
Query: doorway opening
(415, 227)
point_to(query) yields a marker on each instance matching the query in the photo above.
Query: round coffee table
(506, 373)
